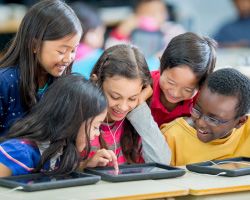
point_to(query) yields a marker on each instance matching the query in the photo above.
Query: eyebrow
(67, 46)
(209, 114)
(121, 95)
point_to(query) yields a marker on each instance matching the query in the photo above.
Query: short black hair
(231, 82)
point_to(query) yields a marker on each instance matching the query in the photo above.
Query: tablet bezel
(205, 167)
(170, 172)
(11, 183)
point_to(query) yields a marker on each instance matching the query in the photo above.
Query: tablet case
(214, 167)
(139, 172)
(31, 182)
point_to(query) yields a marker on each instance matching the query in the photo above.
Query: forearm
(155, 148)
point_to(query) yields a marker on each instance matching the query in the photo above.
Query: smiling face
(122, 94)
(219, 107)
(94, 130)
(178, 84)
(57, 55)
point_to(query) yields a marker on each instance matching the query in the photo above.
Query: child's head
(243, 7)
(222, 104)
(92, 24)
(121, 72)
(44, 46)
(46, 40)
(185, 64)
(152, 9)
(68, 116)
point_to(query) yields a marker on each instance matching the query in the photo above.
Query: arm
(155, 148)
(4, 171)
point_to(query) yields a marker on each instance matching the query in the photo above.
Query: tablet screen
(232, 165)
(134, 170)
(45, 178)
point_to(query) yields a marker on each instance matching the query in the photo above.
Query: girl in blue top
(43, 48)
(59, 127)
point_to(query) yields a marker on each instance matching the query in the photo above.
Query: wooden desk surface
(146, 189)
(189, 186)
(203, 184)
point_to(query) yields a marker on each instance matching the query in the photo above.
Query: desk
(206, 187)
(145, 189)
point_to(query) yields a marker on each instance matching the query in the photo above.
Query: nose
(200, 122)
(176, 92)
(123, 106)
(68, 58)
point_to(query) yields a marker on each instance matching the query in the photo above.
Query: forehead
(181, 75)
(122, 85)
(217, 104)
(70, 41)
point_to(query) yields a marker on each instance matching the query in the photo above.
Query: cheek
(81, 142)
(111, 103)
(164, 85)
(133, 104)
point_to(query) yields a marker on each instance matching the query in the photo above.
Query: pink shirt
(112, 136)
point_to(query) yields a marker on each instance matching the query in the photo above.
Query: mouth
(61, 67)
(173, 99)
(203, 132)
(118, 113)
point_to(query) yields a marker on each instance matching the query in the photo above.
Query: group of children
(56, 122)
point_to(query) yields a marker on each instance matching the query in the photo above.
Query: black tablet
(34, 182)
(228, 167)
(137, 172)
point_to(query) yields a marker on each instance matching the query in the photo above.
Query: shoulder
(9, 75)
(19, 156)
(155, 74)
(9, 71)
(173, 126)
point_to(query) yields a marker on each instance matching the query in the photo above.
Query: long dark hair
(46, 20)
(56, 119)
(190, 49)
(125, 61)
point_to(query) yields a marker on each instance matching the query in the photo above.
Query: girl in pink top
(123, 75)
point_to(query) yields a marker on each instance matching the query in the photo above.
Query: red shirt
(160, 113)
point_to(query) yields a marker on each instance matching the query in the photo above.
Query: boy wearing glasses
(219, 127)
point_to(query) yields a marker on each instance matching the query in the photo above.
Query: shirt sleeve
(19, 157)
(154, 146)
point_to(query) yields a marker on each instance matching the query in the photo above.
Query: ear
(241, 121)
(94, 78)
(34, 41)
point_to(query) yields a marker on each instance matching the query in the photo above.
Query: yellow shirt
(187, 148)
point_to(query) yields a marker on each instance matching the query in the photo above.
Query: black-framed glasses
(209, 120)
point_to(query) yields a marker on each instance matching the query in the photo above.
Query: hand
(145, 94)
(102, 158)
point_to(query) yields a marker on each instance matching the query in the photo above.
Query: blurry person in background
(148, 28)
(91, 44)
(236, 33)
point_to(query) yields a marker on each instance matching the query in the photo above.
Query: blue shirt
(85, 65)
(234, 32)
(19, 156)
(11, 107)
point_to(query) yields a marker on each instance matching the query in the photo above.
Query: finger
(114, 162)
(103, 161)
(105, 154)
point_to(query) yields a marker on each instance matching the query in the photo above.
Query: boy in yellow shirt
(219, 126)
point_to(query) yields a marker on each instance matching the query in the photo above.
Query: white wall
(204, 16)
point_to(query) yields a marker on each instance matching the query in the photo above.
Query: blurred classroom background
(202, 17)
